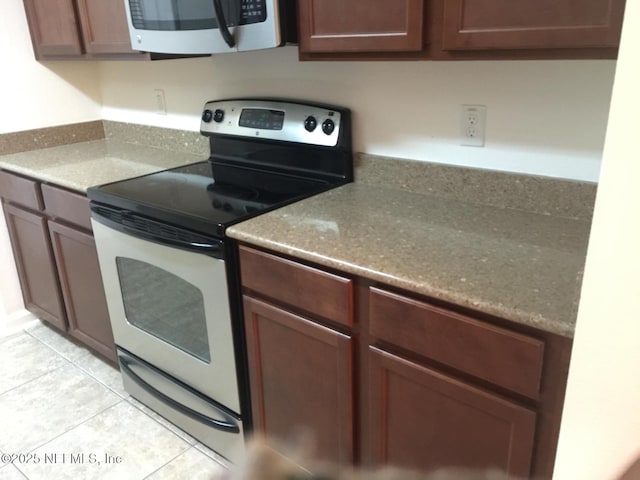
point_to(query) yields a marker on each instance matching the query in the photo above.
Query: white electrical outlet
(473, 120)
(161, 106)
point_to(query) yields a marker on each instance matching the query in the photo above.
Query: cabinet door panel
(21, 191)
(104, 26)
(54, 27)
(81, 282)
(310, 289)
(499, 355)
(424, 420)
(372, 26)
(35, 265)
(487, 24)
(301, 376)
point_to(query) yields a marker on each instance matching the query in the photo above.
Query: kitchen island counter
(521, 266)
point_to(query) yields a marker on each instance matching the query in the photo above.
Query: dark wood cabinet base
(56, 258)
(432, 385)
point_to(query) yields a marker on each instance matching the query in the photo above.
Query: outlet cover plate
(472, 125)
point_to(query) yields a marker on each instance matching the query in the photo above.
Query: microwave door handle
(222, 24)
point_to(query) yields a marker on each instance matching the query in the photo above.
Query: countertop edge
(510, 314)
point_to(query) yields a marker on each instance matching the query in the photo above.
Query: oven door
(203, 26)
(169, 306)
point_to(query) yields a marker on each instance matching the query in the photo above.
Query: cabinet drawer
(68, 206)
(300, 286)
(500, 356)
(20, 190)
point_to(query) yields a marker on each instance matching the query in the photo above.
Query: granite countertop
(82, 165)
(521, 266)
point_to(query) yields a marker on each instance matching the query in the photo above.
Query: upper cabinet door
(53, 26)
(104, 26)
(328, 26)
(529, 24)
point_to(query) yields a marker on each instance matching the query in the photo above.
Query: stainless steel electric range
(171, 275)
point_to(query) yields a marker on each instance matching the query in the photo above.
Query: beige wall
(544, 117)
(36, 95)
(601, 423)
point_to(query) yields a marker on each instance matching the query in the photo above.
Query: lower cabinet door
(35, 265)
(422, 419)
(301, 380)
(81, 282)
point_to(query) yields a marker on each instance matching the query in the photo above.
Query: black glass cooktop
(206, 197)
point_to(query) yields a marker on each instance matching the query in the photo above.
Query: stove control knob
(218, 115)
(328, 126)
(207, 116)
(310, 123)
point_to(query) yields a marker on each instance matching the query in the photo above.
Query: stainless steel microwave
(209, 26)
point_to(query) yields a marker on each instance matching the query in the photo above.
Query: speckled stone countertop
(82, 165)
(521, 266)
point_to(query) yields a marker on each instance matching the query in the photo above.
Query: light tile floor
(65, 415)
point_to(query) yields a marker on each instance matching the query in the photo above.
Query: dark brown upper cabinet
(526, 24)
(76, 29)
(374, 26)
(104, 27)
(458, 29)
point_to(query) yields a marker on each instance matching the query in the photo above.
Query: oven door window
(165, 306)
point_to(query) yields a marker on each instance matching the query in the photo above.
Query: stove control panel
(273, 120)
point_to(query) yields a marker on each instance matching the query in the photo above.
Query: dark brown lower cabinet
(82, 289)
(35, 264)
(433, 386)
(301, 379)
(56, 258)
(423, 419)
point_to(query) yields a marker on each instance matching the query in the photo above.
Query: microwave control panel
(252, 11)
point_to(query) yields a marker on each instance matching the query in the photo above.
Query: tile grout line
(24, 475)
(53, 349)
(77, 425)
(121, 399)
(68, 362)
(35, 378)
(167, 463)
(74, 362)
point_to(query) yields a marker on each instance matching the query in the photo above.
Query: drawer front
(68, 206)
(307, 288)
(497, 355)
(20, 190)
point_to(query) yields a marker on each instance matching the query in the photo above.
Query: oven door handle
(141, 227)
(227, 425)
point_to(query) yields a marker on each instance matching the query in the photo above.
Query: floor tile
(9, 472)
(56, 340)
(214, 455)
(101, 370)
(23, 358)
(40, 410)
(141, 444)
(191, 465)
(6, 338)
(162, 421)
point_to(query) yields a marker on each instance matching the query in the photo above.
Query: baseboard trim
(16, 322)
